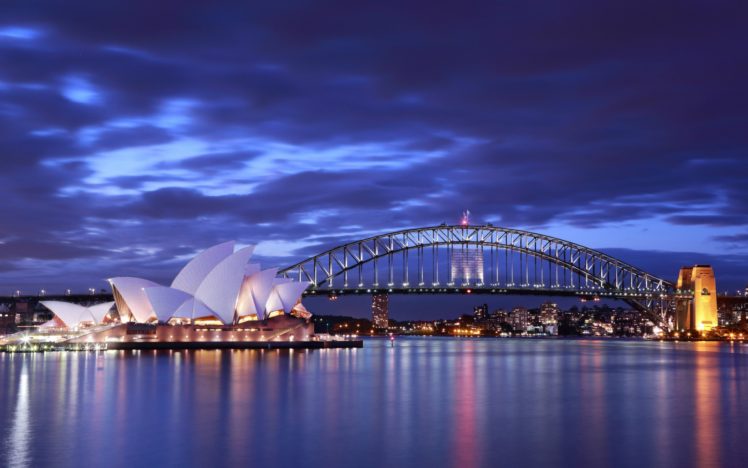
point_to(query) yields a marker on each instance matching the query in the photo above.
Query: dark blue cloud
(134, 132)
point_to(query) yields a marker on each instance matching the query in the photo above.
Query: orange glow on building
(700, 312)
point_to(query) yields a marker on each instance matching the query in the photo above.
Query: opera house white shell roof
(255, 292)
(219, 282)
(74, 315)
(284, 295)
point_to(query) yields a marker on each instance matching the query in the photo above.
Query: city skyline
(125, 150)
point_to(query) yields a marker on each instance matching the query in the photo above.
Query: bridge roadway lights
(589, 294)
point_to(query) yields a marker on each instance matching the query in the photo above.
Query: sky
(135, 134)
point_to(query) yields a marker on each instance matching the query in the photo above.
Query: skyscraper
(380, 310)
(480, 312)
(520, 319)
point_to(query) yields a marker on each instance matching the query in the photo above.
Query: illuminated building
(69, 315)
(549, 313)
(218, 284)
(549, 317)
(727, 315)
(519, 319)
(380, 310)
(499, 317)
(218, 298)
(700, 312)
(480, 312)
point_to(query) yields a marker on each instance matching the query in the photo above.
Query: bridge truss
(477, 259)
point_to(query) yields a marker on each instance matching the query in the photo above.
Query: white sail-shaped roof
(193, 309)
(132, 292)
(166, 301)
(290, 293)
(255, 292)
(185, 310)
(195, 272)
(99, 311)
(72, 315)
(285, 295)
(274, 301)
(220, 288)
(251, 269)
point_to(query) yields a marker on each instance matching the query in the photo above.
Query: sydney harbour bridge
(480, 259)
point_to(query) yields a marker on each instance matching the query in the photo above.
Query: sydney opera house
(218, 299)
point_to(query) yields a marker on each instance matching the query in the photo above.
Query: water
(429, 402)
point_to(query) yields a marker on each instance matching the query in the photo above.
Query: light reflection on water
(426, 402)
(19, 439)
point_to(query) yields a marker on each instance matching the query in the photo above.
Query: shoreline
(184, 345)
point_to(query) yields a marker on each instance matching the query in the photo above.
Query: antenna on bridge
(465, 221)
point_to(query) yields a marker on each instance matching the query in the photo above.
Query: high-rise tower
(380, 310)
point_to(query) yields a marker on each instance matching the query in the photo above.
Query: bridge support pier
(698, 312)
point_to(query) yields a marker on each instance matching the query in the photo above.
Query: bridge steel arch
(566, 268)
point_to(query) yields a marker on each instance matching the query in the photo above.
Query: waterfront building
(7, 319)
(217, 297)
(548, 317)
(727, 315)
(218, 286)
(549, 313)
(500, 316)
(73, 316)
(520, 319)
(480, 312)
(380, 310)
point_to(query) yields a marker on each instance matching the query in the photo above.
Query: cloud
(22, 248)
(113, 138)
(741, 237)
(212, 163)
(310, 124)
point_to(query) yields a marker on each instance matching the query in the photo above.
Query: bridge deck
(521, 291)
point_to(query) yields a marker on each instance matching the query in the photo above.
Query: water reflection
(465, 433)
(20, 437)
(707, 412)
(425, 402)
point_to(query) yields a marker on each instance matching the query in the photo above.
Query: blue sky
(134, 134)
